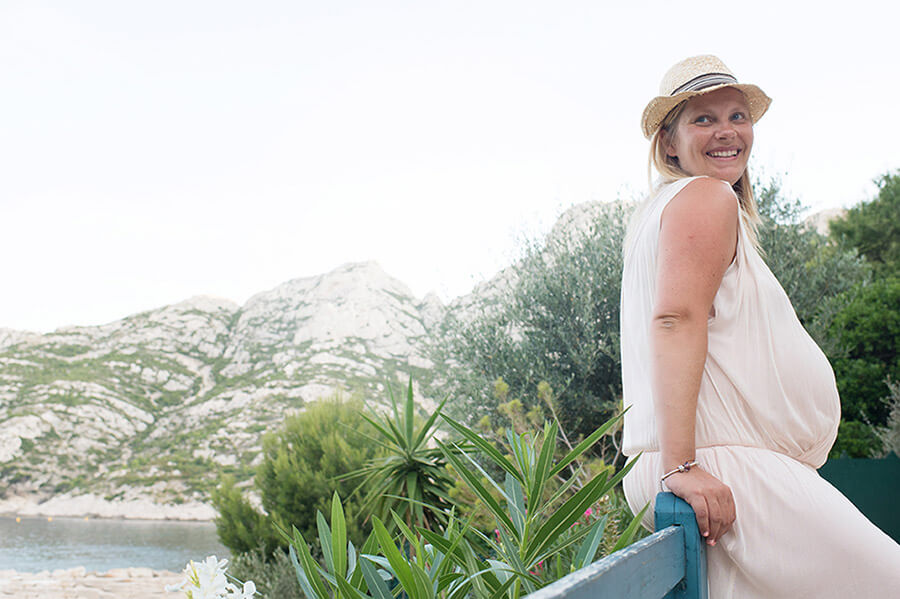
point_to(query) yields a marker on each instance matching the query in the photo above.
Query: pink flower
(588, 512)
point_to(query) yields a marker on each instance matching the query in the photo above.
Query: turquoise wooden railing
(669, 564)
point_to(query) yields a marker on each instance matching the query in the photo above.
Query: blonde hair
(669, 170)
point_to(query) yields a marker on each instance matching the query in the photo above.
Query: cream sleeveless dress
(767, 415)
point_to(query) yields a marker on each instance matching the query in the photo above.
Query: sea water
(36, 544)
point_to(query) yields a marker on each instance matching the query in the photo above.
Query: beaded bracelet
(681, 468)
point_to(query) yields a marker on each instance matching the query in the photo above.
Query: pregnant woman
(733, 404)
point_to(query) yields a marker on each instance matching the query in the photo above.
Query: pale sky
(152, 151)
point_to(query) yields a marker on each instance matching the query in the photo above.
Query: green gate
(873, 485)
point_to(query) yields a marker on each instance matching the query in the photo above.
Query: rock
(133, 418)
(149, 395)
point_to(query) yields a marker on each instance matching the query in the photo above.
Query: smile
(724, 153)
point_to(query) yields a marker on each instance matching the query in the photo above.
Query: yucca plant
(535, 540)
(410, 477)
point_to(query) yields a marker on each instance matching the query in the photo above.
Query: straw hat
(693, 76)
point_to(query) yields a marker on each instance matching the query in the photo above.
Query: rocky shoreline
(76, 583)
(94, 506)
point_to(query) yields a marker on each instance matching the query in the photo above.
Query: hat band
(704, 81)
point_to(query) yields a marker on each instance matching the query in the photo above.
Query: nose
(726, 130)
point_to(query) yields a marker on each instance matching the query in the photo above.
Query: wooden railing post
(674, 511)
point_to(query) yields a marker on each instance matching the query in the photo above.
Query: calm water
(34, 544)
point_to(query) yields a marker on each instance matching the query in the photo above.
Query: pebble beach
(76, 583)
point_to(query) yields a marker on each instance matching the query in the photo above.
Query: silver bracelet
(681, 468)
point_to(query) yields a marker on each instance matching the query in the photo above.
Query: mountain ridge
(138, 415)
(151, 405)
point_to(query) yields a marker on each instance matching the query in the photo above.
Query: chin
(730, 176)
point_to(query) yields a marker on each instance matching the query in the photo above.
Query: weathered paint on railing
(670, 563)
(674, 511)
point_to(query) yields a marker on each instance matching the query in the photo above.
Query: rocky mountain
(150, 407)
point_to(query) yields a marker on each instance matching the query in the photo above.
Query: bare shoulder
(702, 219)
(704, 202)
(705, 194)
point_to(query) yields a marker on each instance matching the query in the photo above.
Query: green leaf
(412, 490)
(377, 588)
(445, 546)
(428, 428)
(424, 588)
(570, 540)
(573, 508)
(307, 569)
(502, 589)
(445, 581)
(325, 541)
(399, 564)
(348, 591)
(542, 467)
(516, 503)
(483, 494)
(630, 530)
(338, 537)
(351, 559)
(588, 548)
(485, 447)
(587, 443)
(410, 414)
(414, 541)
(519, 444)
(302, 578)
(564, 517)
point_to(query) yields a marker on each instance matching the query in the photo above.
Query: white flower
(247, 592)
(210, 578)
(205, 580)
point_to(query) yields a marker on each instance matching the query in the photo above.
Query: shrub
(300, 470)
(273, 573)
(855, 440)
(868, 329)
(890, 434)
(872, 227)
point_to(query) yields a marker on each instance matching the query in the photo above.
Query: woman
(732, 404)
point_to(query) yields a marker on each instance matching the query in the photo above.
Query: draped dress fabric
(767, 415)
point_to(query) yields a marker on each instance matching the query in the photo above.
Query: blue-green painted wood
(669, 564)
(674, 511)
(643, 570)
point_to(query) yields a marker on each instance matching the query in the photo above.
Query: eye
(703, 119)
(739, 116)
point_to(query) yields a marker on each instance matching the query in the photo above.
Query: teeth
(724, 154)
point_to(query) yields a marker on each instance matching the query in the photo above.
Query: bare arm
(697, 241)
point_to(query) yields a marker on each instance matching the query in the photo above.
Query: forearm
(679, 353)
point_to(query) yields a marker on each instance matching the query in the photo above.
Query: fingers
(716, 519)
(730, 512)
(701, 511)
(711, 500)
(722, 513)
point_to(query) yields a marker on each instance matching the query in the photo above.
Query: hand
(711, 499)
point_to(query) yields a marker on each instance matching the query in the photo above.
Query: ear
(670, 147)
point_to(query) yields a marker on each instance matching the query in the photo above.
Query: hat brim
(656, 111)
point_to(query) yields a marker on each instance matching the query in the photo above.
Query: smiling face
(713, 135)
